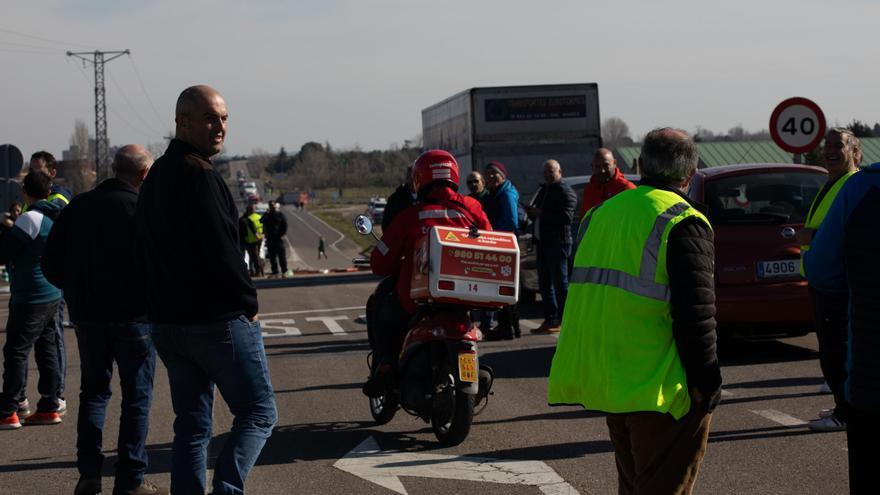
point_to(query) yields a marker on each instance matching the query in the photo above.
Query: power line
(25, 45)
(59, 42)
(130, 105)
(144, 89)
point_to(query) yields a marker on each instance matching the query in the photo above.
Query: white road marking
(332, 244)
(330, 323)
(304, 311)
(779, 417)
(383, 468)
(285, 325)
(341, 235)
(530, 324)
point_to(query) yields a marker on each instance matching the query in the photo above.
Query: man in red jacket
(607, 180)
(435, 181)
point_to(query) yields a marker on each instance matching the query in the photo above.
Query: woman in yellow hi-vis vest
(638, 331)
(842, 154)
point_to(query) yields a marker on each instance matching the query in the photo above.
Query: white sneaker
(825, 389)
(62, 407)
(830, 423)
(24, 408)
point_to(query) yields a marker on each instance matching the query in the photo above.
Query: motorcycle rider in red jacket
(435, 181)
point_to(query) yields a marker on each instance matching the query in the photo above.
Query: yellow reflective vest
(817, 212)
(616, 351)
(254, 232)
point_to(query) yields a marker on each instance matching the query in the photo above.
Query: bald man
(606, 181)
(201, 301)
(90, 256)
(553, 211)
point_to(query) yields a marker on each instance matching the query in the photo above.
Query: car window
(772, 197)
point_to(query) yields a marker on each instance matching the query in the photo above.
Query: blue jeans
(30, 326)
(59, 342)
(130, 345)
(553, 278)
(230, 355)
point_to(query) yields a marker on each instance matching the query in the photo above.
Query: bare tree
(79, 140)
(615, 133)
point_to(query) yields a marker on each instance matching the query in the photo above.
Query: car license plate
(467, 367)
(779, 268)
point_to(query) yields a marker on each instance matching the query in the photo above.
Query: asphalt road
(303, 231)
(317, 355)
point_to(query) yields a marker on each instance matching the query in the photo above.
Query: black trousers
(31, 326)
(387, 324)
(830, 314)
(277, 255)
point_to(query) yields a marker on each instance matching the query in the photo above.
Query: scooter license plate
(467, 367)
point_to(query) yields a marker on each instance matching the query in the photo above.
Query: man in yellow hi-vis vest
(638, 334)
(842, 154)
(251, 233)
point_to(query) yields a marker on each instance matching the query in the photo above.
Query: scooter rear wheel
(453, 414)
(383, 408)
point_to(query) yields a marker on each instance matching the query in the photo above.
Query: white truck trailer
(520, 126)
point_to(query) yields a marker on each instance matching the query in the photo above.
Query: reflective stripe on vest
(425, 214)
(616, 351)
(63, 200)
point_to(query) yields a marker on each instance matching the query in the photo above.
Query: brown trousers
(656, 454)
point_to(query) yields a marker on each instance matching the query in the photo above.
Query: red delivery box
(453, 265)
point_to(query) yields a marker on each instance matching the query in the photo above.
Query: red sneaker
(10, 422)
(43, 418)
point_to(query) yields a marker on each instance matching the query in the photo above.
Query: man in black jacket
(274, 229)
(90, 256)
(201, 302)
(553, 211)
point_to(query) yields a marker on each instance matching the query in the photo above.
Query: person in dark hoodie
(201, 301)
(33, 309)
(90, 256)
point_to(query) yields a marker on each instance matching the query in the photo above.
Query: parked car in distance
(756, 211)
(376, 209)
(261, 207)
(528, 264)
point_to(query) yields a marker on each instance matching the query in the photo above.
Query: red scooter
(438, 377)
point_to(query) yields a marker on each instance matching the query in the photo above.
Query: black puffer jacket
(690, 262)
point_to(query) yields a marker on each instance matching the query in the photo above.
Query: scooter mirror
(363, 224)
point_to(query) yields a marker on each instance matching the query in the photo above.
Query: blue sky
(358, 73)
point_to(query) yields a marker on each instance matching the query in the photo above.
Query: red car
(756, 211)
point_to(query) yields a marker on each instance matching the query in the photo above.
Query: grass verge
(342, 219)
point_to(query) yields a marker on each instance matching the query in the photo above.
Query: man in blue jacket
(843, 259)
(502, 208)
(33, 309)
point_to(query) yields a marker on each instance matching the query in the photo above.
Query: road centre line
(779, 417)
(305, 311)
(332, 244)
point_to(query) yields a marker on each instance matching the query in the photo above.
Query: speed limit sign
(797, 125)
